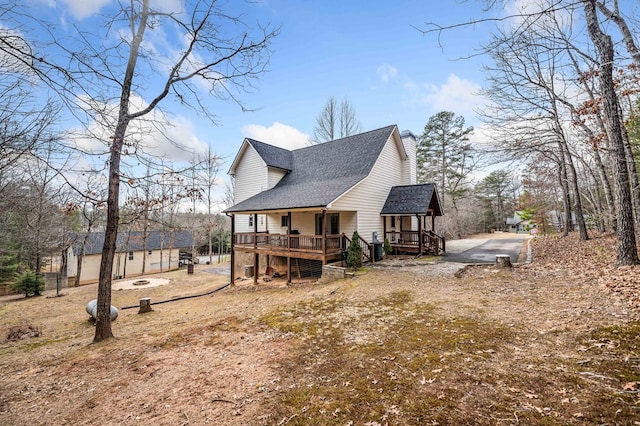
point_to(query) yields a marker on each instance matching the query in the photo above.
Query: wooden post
(433, 220)
(420, 248)
(384, 228)
(233, 257)
(324, 237)
(145, 305)
(289, 229)
(503, 261)
(288, 270)
(256, 265)
(255, 230)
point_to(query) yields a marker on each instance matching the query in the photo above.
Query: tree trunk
(103, 314)
(582, 227)
(627, 252)
(566, 196)
(610, 220)
(633, 173)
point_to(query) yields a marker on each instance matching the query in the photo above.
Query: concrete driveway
(484, 250)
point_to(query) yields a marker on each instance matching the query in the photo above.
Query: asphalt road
(483, 250)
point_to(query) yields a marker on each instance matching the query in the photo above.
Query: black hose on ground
(175, 299)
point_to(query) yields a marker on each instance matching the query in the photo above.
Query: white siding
(369, 196)
(409, 171)
(348, 223)
(274, 176)
(251, 175)
(91, 264)
(305, 222)
(250, 178)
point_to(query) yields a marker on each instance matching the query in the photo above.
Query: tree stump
(503, 261)
(145, 305)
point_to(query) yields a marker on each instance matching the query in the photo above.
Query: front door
(333, 220)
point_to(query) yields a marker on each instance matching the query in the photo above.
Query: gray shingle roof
(321, 173)
(178, 239)
(412, 199)
(272, 155)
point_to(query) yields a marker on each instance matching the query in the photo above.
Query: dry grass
(546, 343)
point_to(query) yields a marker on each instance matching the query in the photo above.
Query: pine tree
(354, 253)
(28, 283)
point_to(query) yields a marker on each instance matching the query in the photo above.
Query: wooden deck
(411, 242)
(313, 247)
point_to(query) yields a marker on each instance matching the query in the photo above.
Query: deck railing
(431, 242)
(289, 242)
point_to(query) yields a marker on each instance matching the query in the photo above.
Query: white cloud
(531, 10)
(456, 94)
(155, 134)
(386, 73)
(81, 9)
(277, 134)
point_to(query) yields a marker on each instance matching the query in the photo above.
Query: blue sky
(369, 52)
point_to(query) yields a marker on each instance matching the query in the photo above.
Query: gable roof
(178, 239)
(321, 173)
(412, 199)
(272, 156)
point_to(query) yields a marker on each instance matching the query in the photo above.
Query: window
(250, 221)
(393, 221)
(130, 255)
(150, 252)
(284, 221)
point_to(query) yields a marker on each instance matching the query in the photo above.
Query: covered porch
(409, 220)
(289, 238)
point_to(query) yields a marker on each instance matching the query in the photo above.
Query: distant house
(517, 224)
(302, 206)
(135, 254)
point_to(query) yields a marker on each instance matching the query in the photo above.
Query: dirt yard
(556, 341)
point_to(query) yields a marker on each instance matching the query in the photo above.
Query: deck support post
(256, 265)
(288, 270)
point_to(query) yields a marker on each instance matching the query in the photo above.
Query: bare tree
(552, 18)
(219, 55)
(627, 251)
(212, 164)
(335, 121)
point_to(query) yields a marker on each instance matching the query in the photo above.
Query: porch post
(288, 247)
(419, 236)
(324, 237)
(433, 222)
(256, 258)
(384, 228)
(255, 230)
(288, 229)
(233, 257)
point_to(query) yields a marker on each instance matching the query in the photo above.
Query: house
(295, 211)
(137, 253)
(516, 224)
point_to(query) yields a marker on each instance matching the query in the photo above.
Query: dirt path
(426, 343)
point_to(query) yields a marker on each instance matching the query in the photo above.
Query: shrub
(354, 252)
(387, 247)
(28, 283)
